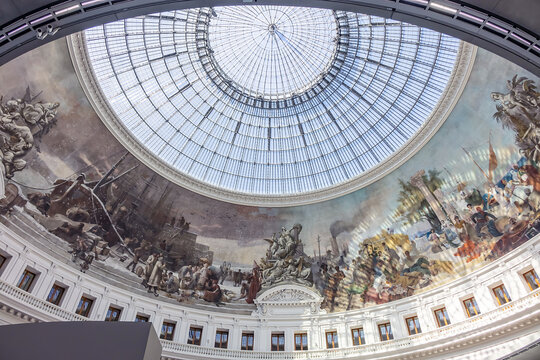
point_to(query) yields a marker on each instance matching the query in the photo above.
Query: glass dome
(269, 100)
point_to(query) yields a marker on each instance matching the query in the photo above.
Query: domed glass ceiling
(270, 100)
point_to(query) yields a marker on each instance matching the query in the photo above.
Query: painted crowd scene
(468, 197)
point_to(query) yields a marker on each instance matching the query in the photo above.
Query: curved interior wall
(392, 239)
(496, 330)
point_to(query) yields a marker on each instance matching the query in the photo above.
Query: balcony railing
(172, 349)
(42, 306)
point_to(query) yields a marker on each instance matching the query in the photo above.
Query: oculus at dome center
(270, 52)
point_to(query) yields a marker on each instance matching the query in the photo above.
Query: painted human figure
(150, 262)
(156, 275)
(483, 218)
(438, 245)
(461, 227)
(187, 282)
(244, 286)
(85, 265)
(214, 293)
(202, 276)
(172, 284)
(254, 286)
(333, 286)
(137, 253)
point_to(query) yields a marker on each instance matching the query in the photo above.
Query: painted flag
(478, 166)
(492, 161)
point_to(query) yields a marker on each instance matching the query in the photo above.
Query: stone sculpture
(285, 259)
(519, 110)
(21, 122)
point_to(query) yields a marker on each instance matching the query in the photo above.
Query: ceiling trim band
(482, 28)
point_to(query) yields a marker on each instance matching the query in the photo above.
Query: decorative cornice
(286, 299)
(458, 79)
(17, 313)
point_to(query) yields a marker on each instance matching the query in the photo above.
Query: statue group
(519, 109)
(285, 259)
(21, 122)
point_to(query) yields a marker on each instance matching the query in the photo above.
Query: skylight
(269, 100)
(272, 52)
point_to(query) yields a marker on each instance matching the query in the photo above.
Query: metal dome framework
(274, 53)
(164, 79)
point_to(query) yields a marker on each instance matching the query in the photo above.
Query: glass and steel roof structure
(270, 100)
(275, 53)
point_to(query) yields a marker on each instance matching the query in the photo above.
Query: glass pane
(532, 279)
(417, 322)
(411, 326)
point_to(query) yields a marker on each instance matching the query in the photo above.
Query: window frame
(302, 336)
(388, 329)
(507, 297)
(524, 275)
(445, 314)
(168, 329)
(222, 343)
(80, 310)
(474, 305)
(280, 341)
(142, 318)
(361, 336)
(335, 340)
(193, 340)
(247, 335)
(58, 299)
(113, 313)
(26, 285)
(416, 322)
(4, 258)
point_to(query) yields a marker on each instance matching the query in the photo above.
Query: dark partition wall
(79, 340)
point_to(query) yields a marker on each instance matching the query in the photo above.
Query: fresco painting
(469, 196)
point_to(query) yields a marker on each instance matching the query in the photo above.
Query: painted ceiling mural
(468, 197)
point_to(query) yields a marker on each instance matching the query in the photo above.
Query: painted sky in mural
(377, 244)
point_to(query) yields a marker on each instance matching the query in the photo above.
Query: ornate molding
(288, 299)
(450, 96)
(17, 313)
